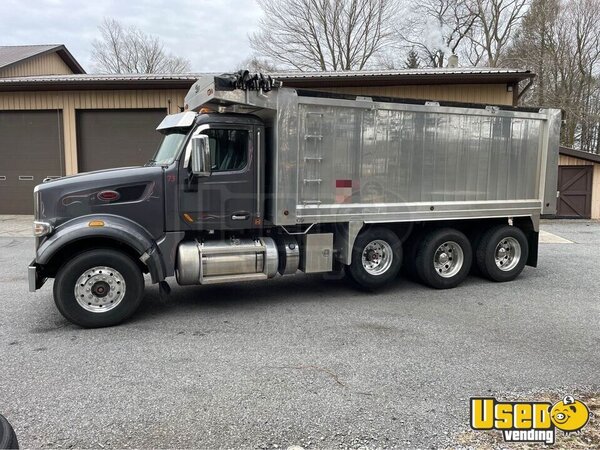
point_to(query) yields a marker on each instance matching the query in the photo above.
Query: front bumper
(36, 281)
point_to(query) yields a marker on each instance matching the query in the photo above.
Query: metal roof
(13, 54)
(100, 81)
(401, 72)
(292, 79)
(103, 77)
(587, 156)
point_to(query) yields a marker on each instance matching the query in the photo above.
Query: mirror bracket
(200, 157)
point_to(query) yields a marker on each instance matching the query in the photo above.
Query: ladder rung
(312, 202)
(313, 158)
(313, 136)
(316, 180)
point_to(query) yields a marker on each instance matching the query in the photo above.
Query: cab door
(226, 199)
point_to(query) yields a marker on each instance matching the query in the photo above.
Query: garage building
(57, 120)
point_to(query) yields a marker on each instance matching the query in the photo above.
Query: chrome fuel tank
(223, 261)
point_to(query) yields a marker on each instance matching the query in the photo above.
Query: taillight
(108, 196)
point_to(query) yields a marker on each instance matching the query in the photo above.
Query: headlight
(41, 228)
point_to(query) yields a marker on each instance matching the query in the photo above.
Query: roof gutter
(49, 85)
(412, 79)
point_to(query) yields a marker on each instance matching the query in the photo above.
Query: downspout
(524, 90)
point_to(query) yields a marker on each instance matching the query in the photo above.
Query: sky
(212, 34)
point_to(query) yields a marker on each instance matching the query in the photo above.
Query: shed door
(31, 149)
(575, 188)
(116, 138)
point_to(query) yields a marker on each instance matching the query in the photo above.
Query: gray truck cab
(144, 212)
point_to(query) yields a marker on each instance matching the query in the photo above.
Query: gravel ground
(298, 360)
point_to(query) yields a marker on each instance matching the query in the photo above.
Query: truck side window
(228, 149)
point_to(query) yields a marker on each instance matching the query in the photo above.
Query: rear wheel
(502, 253)
(98, 288)
(376, 258)
(444, 258)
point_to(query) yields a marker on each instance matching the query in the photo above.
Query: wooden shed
(578, 184)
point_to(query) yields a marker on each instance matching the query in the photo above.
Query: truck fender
(116, 228)
(344, 238)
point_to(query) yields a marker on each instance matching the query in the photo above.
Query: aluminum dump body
(338, 159)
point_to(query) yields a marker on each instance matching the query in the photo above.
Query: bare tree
(496, 21)
(534, 45)
(579, 55)
(257, 64)
(323, 34)
(560, 41)
(129, 50)
(437, 28)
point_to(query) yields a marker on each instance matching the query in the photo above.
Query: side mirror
(200, 160)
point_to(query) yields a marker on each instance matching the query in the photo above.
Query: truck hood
(97, 175)
(136, 193)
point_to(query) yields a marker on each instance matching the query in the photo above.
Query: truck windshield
(169, 147)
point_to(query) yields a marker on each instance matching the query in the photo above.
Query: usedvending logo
(529, 421)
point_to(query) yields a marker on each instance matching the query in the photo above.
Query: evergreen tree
(412, 60)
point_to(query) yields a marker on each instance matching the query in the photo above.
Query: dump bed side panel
(362, 160)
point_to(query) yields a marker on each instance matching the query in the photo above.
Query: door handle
(240, 216)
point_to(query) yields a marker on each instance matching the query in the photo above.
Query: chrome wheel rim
(507, 254)
(448, 259)
(100, 289)
(377, 257)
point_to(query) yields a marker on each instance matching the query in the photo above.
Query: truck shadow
(293, 290)
(280, 291)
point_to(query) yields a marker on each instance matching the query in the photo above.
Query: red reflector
(343, 183)
(108, 196)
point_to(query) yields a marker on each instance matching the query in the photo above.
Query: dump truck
(254, 180)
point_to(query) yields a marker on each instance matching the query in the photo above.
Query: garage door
(31, 149)
(116, 138)
(575, 191)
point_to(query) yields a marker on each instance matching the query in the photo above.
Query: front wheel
(98, 288)
(376, 258)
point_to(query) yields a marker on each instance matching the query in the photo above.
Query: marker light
(41, 229)
(96, 223)
(108, 196)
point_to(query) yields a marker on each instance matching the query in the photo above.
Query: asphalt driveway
(298, 360)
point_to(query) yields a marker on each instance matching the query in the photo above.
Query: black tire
(8, 437)
(410, 247)
(359, 274)
(67, 278)
(485, 254)
(428, 248)
(475, 238)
